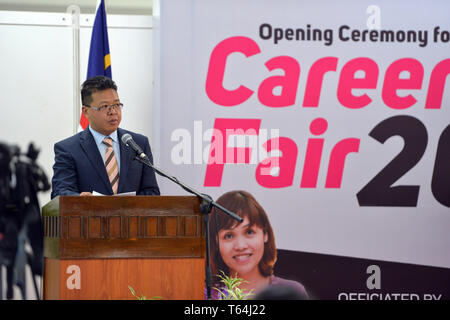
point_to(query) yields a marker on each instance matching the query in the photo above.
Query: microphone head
(126, 138)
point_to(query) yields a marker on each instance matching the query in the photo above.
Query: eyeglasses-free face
(105, 112)
(242, 248)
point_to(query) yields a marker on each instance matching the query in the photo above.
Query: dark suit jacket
(79, 167)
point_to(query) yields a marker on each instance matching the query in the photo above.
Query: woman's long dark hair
(244, 205)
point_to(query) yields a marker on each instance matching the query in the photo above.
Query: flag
(99, 57)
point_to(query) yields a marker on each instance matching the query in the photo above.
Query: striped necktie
(111, 164)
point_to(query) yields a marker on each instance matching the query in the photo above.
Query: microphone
(128, 140)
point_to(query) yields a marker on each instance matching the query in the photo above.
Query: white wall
(36, 77)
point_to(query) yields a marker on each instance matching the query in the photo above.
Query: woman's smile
(243, 257)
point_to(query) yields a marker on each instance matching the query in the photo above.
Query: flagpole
(74, 10)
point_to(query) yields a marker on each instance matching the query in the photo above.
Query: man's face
(104, 121)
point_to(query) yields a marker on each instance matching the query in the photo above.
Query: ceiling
(86, 6)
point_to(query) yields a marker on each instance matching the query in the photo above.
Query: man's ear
(84, 110)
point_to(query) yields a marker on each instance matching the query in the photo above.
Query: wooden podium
(95, 247)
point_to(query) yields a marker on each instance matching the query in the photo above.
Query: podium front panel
(95, 247)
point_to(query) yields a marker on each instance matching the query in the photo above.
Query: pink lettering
(228, 127)
(437, 84)
(286, 164)
(216, 70)
(288, 83)
(392, 82)
(315, 80)
(337, 161)
(313, 154)
(348, 82)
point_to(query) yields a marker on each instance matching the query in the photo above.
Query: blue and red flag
(99, 57)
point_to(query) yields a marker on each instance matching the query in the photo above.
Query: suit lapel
(126, 156)
(91, 150)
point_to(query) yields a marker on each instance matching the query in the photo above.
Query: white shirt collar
(98, 137)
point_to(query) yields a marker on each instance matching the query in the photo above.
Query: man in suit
(96, 159)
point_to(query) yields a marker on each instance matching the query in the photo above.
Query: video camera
(21, 179)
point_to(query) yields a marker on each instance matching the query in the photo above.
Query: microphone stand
(205, 208)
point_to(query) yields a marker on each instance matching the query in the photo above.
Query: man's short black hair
(94, 84)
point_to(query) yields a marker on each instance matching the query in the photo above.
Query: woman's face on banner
(242, 247)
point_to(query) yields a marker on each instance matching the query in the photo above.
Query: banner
(333, 115)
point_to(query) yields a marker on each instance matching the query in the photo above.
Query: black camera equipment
(21, 179)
